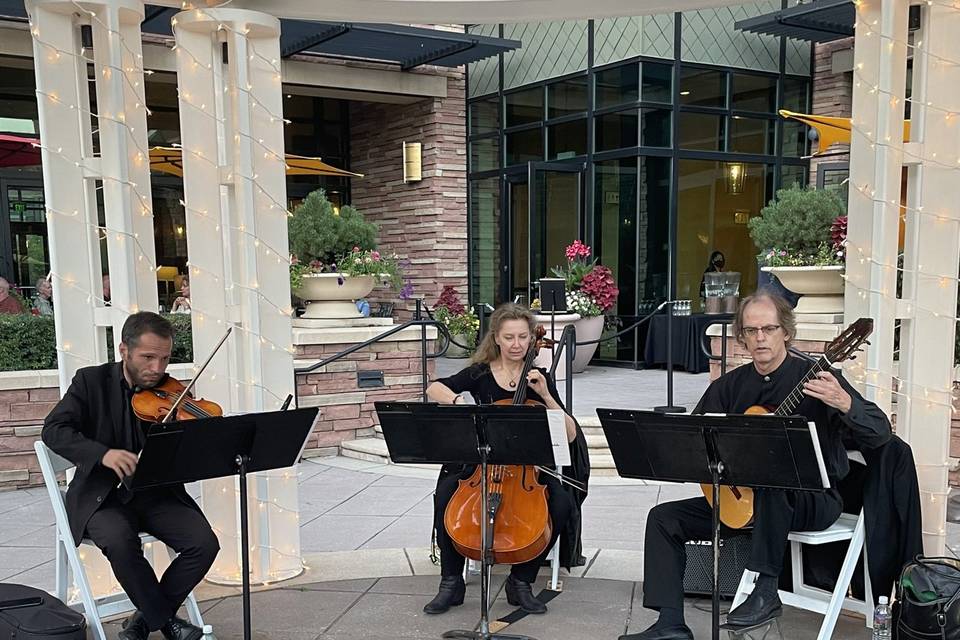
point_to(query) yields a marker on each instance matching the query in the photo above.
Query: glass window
(619, 85)
(754, 93)
(616, 130)
(485, 154)
(794, 139)
(567, 97)
(795, 95)
(567, 140)
(485, 255)
(524, 107)
(701, 131)
(524, 146)
(703, 87)
(793, 175)
(657, 82)
(657, 128)
(715, 201)
(484, 115)
(751, 135)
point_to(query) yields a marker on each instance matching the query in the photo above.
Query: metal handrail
(723, 344)
(415, 322)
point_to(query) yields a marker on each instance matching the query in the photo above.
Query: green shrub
(28, 342)
(317, 232)
(797, 223)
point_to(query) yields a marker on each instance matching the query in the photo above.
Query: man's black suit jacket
(85, 424)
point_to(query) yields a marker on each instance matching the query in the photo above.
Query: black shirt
(865, 425)
(478, 379)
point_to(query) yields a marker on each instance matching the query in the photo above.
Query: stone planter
(587, 329)
(821, 290)
(545, 358)
(454, 351)
(325, 297)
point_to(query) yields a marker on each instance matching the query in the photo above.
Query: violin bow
(189, 387)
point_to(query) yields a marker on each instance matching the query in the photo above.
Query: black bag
(928, 600)
(31, 614)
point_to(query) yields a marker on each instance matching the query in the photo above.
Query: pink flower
(577, 250)
(376, 256)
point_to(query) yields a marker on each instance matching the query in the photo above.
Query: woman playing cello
(494, 375)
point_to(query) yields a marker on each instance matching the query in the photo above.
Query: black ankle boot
(519, 594)
(452, 590)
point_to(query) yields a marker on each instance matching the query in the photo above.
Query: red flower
(451, 301)
(600, 285)
(577, 250)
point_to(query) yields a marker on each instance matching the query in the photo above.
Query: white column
(876, 159)
(931, 258)
(235, 195)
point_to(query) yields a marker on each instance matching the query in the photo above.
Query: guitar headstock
(844, 346)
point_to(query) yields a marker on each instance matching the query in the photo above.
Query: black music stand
(770, 452)
(425, 433)
(192, 450)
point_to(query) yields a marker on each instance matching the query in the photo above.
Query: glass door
(545, 214)
(29, 252)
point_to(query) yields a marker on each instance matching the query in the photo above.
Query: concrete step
(368, 449)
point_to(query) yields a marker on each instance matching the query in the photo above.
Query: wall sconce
(736, 176)
(411, 162)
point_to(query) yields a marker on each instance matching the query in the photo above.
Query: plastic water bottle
(881, 620)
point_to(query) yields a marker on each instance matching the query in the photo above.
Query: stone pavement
(365, 534)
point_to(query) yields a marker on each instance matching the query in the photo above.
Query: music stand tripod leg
(717, 468)
(486, 558)
(242, 461)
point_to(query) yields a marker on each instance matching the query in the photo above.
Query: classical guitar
(736, 503)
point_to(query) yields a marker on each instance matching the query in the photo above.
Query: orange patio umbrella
(832, 129)
(170, 160)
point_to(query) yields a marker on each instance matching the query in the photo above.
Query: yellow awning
(170, 160)
(832, 129)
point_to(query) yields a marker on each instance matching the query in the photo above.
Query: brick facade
(832, 95)
(424, 222)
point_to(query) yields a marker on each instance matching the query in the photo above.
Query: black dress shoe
(756, 609)
(520, 594)
(452, 590)
(179, 629)
(134, 628)
(676, 632)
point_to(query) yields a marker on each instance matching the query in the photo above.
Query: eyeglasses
(769, 330)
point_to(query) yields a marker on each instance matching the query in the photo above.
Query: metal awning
(817, 21)
(396, 44)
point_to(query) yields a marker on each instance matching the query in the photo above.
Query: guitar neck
(792, 401)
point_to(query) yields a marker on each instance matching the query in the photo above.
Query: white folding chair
(68, 556)
(847, 527)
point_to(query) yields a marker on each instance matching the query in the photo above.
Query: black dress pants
(776, 513)
(451, 562)
(115, 528)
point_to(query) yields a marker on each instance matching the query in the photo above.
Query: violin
(155, 404)
(521, 525)
(173, 399)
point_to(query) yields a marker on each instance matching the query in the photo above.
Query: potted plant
(801, 234)
(462, 323)
(334, 261)
(591, 292)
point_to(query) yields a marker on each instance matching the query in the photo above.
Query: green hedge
(29, 342)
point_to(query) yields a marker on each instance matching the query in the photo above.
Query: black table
(687, 334)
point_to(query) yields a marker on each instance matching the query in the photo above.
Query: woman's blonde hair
(488, 350)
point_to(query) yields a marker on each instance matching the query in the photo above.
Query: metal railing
(723, 344)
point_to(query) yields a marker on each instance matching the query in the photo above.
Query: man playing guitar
(765, 326)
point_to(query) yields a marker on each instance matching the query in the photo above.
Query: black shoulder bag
(928, 600)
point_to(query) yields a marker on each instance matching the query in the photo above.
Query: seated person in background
(494, 375)
(8, 303)
(43, 301)
(106, 289)
(182, 303)
(765, 326)
(94, 427)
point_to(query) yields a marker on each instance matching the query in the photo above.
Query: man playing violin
(94, 427)
(765, 326)
(494, 375)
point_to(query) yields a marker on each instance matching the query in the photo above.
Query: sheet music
(816, 448)
(558, 436)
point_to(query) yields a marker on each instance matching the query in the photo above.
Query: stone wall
(22, 411)
(426, 221)
(832, 95)
(347, 411)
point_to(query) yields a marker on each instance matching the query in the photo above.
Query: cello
(520, 528)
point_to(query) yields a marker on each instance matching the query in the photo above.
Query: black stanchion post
(670, 407)
(723, 349)
(423, 349)
(568, 354)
